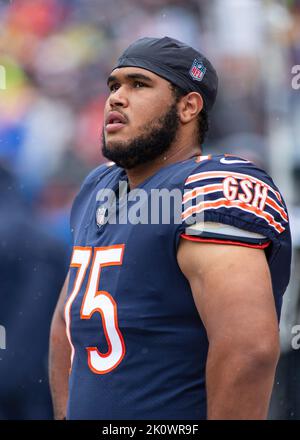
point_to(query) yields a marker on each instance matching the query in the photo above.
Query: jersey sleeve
(230, 200)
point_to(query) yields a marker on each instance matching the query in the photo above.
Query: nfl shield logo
(100, 216)
(197, 71)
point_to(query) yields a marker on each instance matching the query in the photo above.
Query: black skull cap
(176, 62)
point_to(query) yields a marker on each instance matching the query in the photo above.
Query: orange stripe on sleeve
(221, 174)
(233, 204)
(201, 190)
(229, 242)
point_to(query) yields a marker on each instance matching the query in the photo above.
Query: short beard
(157, 139)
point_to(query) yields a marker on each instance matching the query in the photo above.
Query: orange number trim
(101, 301)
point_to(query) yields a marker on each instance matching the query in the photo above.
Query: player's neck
(176, 153)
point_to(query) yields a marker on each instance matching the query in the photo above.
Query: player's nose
(118, 98)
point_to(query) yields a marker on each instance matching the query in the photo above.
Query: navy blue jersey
(139, 347)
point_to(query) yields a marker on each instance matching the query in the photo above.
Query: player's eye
(139, 84)
(114, 87)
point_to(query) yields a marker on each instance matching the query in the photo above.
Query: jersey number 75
(100, 301)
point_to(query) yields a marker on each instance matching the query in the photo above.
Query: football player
(169, 319)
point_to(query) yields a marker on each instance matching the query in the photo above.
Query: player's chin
(115, 143)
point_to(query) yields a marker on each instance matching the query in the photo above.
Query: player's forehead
(129, 73)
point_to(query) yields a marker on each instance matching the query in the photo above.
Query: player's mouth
(114, 122)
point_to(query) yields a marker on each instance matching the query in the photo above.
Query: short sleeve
(231, 200)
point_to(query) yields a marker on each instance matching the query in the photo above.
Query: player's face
(139, 96)
(140, 117)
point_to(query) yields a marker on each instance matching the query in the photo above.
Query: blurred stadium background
(54, 57)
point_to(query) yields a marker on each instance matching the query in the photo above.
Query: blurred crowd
(57, 54)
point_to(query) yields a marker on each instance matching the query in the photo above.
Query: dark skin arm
(59, 358)
(232, 290)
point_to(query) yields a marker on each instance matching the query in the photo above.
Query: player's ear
(189, 107)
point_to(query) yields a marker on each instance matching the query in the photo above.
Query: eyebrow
(131, 76)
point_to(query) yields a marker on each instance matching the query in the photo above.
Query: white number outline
(81, 258)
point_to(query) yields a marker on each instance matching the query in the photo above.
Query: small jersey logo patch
(100, 216)
(197, 71)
